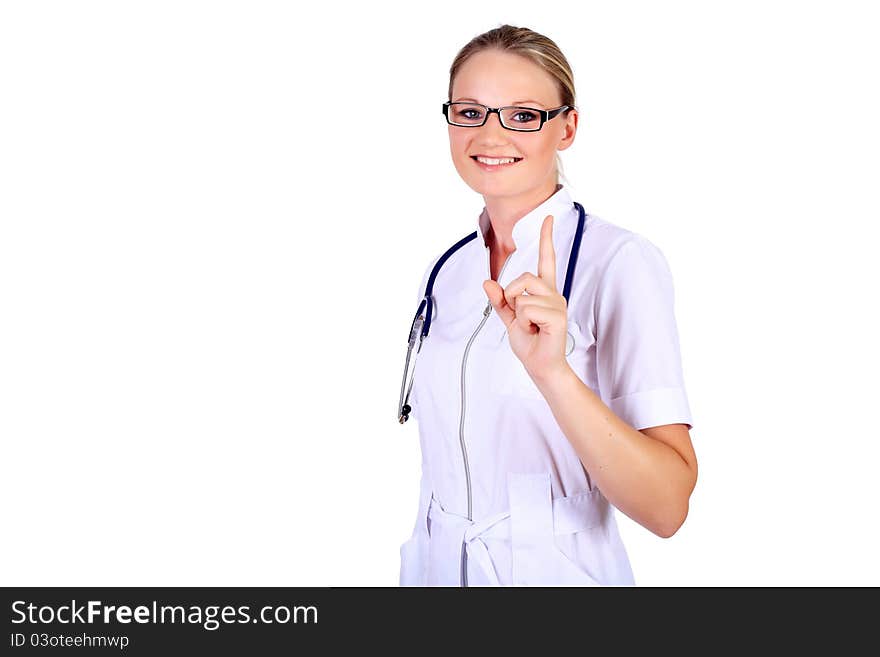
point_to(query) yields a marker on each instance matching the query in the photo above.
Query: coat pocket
(415, 553)
(413, 562)
(508, 375)
(535, 518)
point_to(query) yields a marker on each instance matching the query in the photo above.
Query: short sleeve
(638, 356)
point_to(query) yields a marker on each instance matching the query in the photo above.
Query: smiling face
(496, 79)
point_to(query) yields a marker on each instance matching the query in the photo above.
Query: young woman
(539, 406)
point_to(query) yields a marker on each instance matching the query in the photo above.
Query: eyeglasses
(521, 119)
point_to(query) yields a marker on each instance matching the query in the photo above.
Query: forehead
(499, 78)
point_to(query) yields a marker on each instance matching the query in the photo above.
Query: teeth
(492, 160)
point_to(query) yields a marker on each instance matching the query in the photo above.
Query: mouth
(494, 163)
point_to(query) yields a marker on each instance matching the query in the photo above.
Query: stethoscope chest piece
(569, 343)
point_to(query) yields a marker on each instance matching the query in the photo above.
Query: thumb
(496, 297)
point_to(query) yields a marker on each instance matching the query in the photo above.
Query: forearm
(644, 478)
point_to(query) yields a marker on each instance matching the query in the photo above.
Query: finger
(526, 282)
(546, 253)
(542, 317)
(496, 297)
(540, 300)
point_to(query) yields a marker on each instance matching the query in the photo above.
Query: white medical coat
(536, 517)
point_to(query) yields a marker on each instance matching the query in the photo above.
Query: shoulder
(611, 239)
(619, 251)
(457, 253)
(450, 258)
(431, 264)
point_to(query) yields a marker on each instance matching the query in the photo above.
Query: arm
(649, 474)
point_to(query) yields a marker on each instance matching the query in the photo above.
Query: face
(496, 79)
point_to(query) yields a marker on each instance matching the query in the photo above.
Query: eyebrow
(516, 102)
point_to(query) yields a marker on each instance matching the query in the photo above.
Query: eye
(469, 113)
(525, 116)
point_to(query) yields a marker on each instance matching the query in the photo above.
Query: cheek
(459, 149)
(543, 149)
(456, 144)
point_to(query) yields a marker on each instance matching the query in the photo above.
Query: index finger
(546, 253)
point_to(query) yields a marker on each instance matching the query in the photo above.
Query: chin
(493, 187)
(491, 184)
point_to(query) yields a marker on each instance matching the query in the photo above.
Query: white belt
(533, 519)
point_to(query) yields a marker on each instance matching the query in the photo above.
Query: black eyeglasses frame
(545, 115)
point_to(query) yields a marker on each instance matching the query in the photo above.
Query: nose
(496, 117)
(492, 130)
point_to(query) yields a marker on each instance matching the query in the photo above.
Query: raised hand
(535, 314)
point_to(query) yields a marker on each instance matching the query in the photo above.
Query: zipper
(467, 473)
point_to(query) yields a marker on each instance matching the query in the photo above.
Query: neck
(505, 211)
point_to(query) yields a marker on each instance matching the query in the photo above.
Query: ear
(571, 122)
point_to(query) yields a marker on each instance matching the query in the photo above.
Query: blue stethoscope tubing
(421, 323)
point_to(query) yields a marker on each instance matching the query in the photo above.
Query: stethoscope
(421, 323)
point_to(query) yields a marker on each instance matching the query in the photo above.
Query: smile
(494, 163)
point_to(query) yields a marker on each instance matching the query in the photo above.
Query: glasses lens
(466, 114)
(520, 118)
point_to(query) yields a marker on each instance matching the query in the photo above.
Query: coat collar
(527, 230)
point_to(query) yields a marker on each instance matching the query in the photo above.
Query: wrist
(554, 378)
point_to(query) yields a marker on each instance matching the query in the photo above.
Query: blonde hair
(527, 43)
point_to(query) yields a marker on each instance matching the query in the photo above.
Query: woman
(535, 417)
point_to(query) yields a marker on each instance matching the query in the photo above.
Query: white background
(214, 217)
